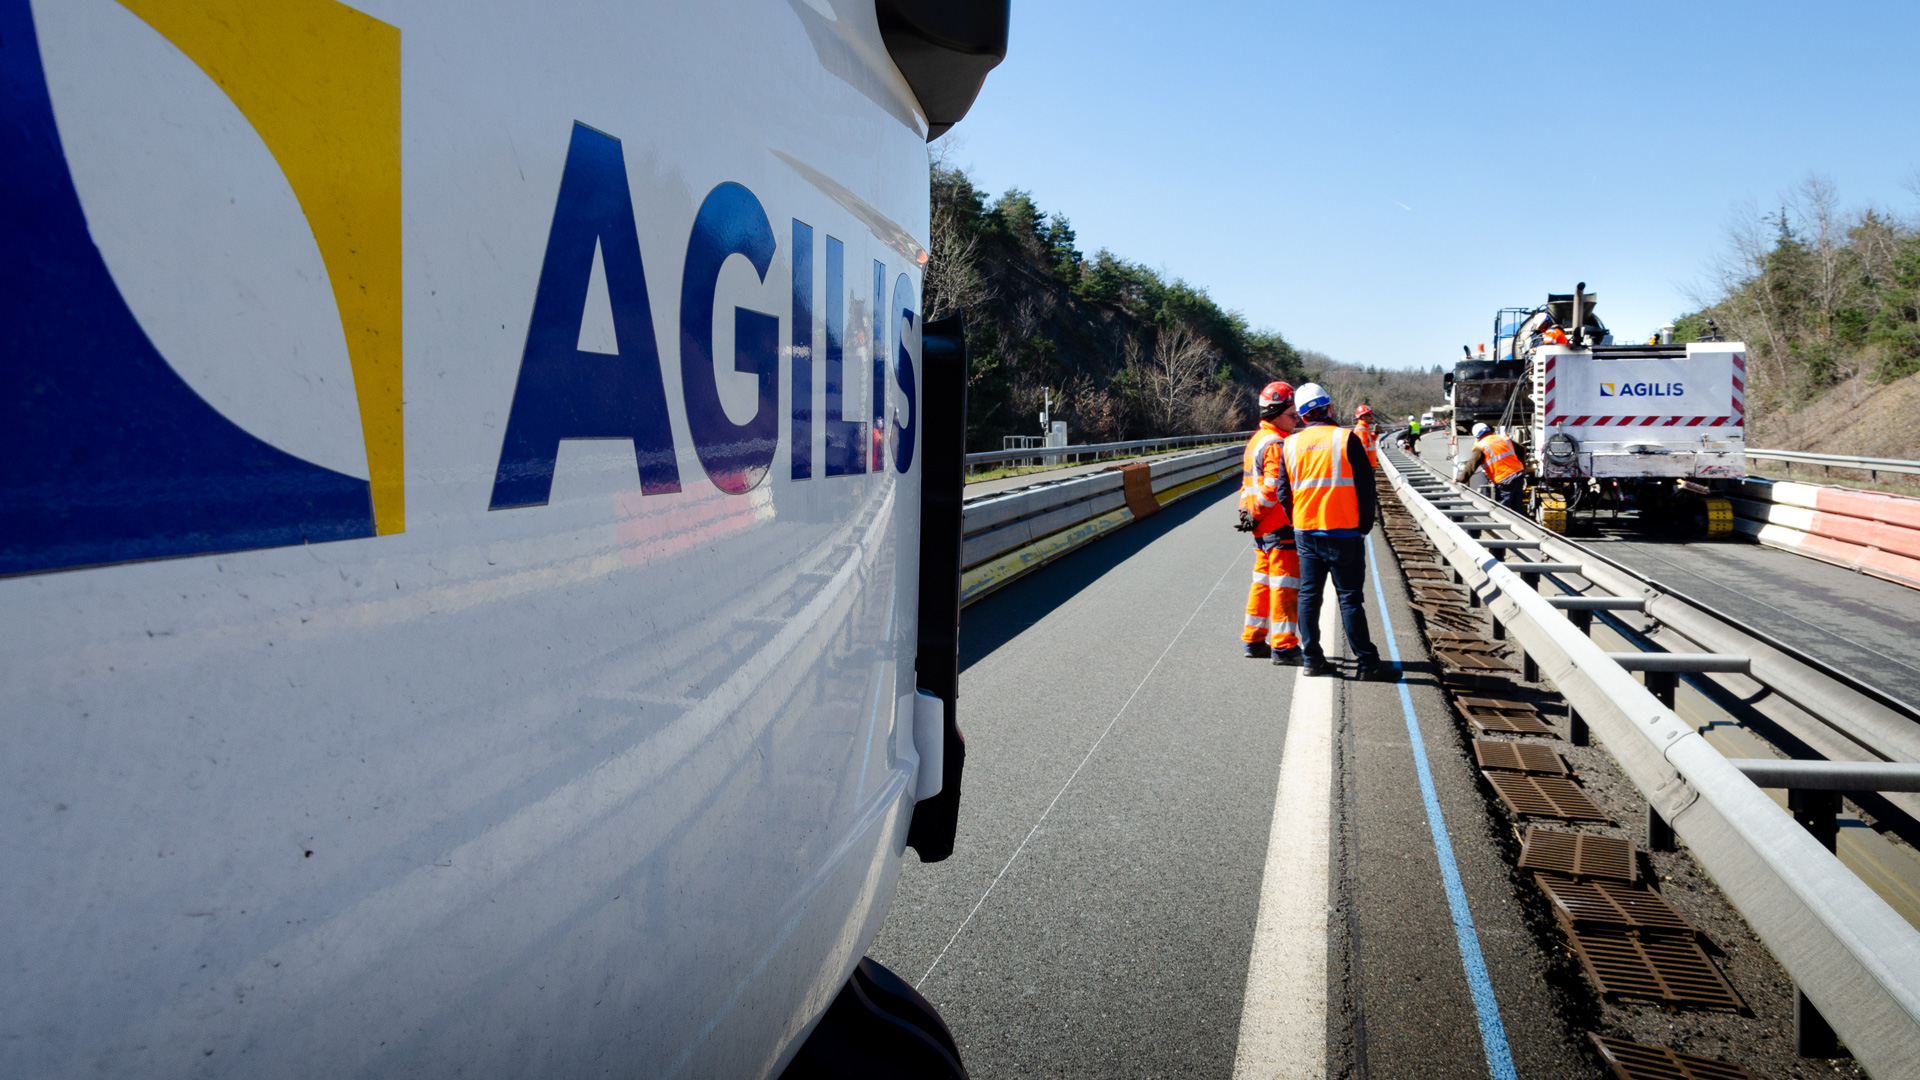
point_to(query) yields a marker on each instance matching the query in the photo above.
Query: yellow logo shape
(320, 83)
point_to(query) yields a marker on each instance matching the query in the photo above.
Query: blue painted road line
(1493, 1033)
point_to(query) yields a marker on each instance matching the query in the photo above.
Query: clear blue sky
(1375, 180)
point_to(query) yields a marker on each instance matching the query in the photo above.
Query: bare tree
(953, 281)
(1178, 371)
(1818, 204)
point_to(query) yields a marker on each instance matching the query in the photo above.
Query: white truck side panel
(1644, 417)
(617, 783)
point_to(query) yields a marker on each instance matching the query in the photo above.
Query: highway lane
(1861, 625)
(1098, 916)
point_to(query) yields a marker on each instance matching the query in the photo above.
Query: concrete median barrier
(1009, 535)
(1865, 531)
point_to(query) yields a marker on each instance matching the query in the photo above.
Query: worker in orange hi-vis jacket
(1506, 471)
(1272, 628)
(1363, 427)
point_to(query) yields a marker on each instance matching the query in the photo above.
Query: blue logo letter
(564, 393)
(736, 456)
(903, 374)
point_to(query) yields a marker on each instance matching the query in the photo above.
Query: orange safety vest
(1322, 479)
(1364, 429)
(1502, 460)
(1260, 478)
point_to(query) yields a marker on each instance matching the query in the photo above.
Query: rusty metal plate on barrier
(1637, 1061)
(1581, 904)
(1530, 757)
(1543, 796)
(1671, 970)
(1578, 855)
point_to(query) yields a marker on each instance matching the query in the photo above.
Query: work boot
(1375, 671)
(1258, 650)
(1320, 667)
(1289, 657)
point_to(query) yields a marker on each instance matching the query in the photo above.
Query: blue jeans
(1345, 557)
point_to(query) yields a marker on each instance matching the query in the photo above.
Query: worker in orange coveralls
(1272, 628)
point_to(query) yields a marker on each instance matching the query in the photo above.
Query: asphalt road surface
(1118, 831)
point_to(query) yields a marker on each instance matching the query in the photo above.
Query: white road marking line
(1238, 557)
(1283, 1020)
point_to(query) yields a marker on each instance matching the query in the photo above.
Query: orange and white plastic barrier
(1861, 530)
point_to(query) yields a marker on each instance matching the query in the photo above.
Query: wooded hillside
(1828, 301)
(1126, 352)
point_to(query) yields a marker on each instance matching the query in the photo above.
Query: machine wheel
(1550, 510)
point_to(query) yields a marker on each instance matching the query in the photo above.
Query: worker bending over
(1327, 491)
(1271, 628)
(1363, 427)
(1506, 473)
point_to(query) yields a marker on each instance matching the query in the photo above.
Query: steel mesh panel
(1492, 721)
(1457, 639)
(1670, 970)
(1518, 757)
(1471, 660)
(1543, 796)
(1451, 617)
(1578, 855)
(1635, 1061)
(1582, 904)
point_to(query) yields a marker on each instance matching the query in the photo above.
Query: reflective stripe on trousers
(1274, 598)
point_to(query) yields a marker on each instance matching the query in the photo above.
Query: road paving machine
(1657, 429)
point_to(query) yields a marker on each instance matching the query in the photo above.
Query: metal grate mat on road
(1671, 970)
(1493, 716)
(1578, 855)
(1543, 796)
(1581, 904)
(1450, 617)
(1529, 757)
(1474, 660)
(1636, 1061)
(1471, 643)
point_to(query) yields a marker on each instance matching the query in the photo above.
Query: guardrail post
(1576, 727)
(1529, 667)
(1659, 831)
(1813, 1037)
(1663, 685)
(1582, 620)
(1818, 812)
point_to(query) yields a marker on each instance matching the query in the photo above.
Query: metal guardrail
(1058, 454)
(1856, 960)
(1874, 466)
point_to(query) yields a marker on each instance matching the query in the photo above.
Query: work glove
(1246, 523)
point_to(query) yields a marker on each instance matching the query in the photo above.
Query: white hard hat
(1480, 429)
(1311, 396)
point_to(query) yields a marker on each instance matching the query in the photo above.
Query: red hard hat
(1364, 410)
(1277, 394)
